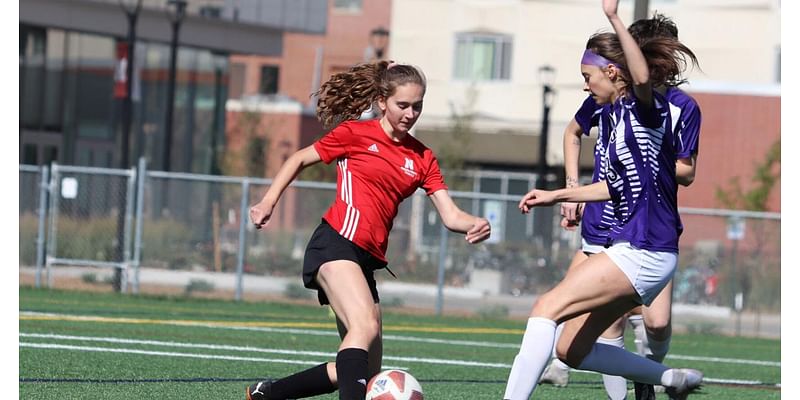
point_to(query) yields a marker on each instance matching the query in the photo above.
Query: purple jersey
(598, 217)
(685, 115)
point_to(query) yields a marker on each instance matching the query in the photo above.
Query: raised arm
(637, 64)
(477, 229)
(261, 212)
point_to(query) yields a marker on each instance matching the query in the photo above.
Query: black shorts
(328, 245)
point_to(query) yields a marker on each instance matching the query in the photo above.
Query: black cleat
(644, 391)
(259, 390)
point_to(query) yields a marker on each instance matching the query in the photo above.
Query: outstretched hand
(610, 7)
(480, 231)
(536, 198)
(260, 214)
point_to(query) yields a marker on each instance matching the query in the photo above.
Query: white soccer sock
(657, 349)
(534, 353)
(640, 335)
(559, 329)
(560, 364)
(611, 360)
(616, 386)
(556, 363)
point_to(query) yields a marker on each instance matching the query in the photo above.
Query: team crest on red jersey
(408, 168)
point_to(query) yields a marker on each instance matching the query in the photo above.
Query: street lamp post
(640, 9)
(378, 41)
(176, 12)
(546, 76)
(545, 215)
(131, 9)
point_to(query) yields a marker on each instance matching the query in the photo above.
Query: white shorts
(591, 248)
(648, 271)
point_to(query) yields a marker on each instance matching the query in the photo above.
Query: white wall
(736, 42)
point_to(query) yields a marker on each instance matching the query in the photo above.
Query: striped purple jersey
(603, 222)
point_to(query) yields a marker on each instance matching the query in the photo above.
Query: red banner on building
(121, 71)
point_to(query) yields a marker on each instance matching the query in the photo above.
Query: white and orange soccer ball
(393, 385)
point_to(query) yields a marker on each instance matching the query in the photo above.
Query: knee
(573, 353)
(367, 326)
(548, 306)
(660, 327)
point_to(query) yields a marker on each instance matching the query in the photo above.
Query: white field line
(254, 349)
(260, 350)
(159, 353)
(173, 354)
(233, 326)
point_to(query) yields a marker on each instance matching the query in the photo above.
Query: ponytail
(346, 95)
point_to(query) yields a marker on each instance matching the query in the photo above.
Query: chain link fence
(187, 234)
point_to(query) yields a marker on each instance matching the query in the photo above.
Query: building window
(210, 11)
(483, 57)
(269, 80)
(350, 6)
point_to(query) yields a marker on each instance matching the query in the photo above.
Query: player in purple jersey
(652, 333)
(638, 169)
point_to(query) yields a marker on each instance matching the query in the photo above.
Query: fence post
(242, 237)
(51, 243)
(440, 274)
(130, 196)
(44, 184)
(137, 240)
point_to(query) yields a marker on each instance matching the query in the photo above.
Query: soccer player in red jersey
(379, 165)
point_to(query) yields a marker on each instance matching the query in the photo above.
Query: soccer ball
(393, 385)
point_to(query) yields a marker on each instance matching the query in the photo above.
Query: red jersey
(375, 175)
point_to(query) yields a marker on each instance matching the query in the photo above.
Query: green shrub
(168, 242)
(297, 291)
(497, 311)
(28, 226)
(89, 277)
(392, 302)
(704, 328)
(199, 285)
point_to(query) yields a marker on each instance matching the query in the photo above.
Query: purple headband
(592, 58)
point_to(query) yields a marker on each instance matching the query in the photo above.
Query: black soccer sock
(311, 382)
(351, 372)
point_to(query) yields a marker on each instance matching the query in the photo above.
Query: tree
(249, 159)
(761, 265)
(453, 150)
(765, 177)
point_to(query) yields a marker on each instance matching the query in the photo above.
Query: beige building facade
(494, 48)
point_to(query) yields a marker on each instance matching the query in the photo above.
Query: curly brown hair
(346, 95)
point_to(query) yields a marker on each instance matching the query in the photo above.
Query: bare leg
(356, 311)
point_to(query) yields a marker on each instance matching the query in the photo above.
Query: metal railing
(175, 228)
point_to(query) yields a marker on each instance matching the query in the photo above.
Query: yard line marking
(167, 353)
(279, 360)
(725, 360)
(329, 325)
(160, 353)
(31, 315)
(256, 349)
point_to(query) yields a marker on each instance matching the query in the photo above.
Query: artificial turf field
(80, 345)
